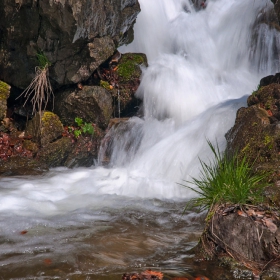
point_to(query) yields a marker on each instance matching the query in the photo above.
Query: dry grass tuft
(39, 91)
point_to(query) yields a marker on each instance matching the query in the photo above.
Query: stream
(100, 222)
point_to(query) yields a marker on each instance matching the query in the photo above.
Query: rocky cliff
(75, 36)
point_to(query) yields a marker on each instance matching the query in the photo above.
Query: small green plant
(40, 90)
(254, 92)
(42, 60)
(226, 179)
(106, 85)
(83, 127)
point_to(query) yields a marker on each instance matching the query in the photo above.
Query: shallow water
(98, 244)
(99, 222)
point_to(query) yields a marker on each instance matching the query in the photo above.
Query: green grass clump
(42, 60)
(254, 92)
(226, 179)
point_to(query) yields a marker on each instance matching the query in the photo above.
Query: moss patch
(4, 90)
(129, 65)
(105, 85)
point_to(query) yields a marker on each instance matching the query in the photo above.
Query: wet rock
(54, 154)
(85, 150)
(44, 129)
(246, 235)
(199, 4)
(256, 133)
(18, 166)
(75, 36)
(121, 77)
(277, 9)
(123, 137)
(271, 79)
(93, 104)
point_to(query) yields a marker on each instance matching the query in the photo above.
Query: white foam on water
(201, 64)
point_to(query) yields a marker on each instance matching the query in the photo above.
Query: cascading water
(202, 64)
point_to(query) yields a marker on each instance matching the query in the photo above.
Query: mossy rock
(85, 150)
(129, 66)
(54, 154)
(256, 133)
(44, 129)
(18, 166)
(4, 95)
(31, 146)
(93, 104)
(128, 71)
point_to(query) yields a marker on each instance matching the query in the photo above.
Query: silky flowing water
(99, 222)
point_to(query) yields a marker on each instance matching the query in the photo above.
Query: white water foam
(201, 64)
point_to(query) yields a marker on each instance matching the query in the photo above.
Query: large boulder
(247, 236)
(44, 128)
(93, 104)
(75, 36)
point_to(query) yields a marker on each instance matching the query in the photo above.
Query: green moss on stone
(4, 90)
(268, 141)
(105, 85)
(128, 65)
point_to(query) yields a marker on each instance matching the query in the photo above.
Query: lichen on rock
(44, 129)
(4, 95)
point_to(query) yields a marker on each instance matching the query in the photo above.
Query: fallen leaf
(270, 225)
(180, 278)
(47, 261)
(157, 274)
(23, 232)
(251, 212)
(241, 213)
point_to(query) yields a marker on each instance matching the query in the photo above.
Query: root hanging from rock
(39, 92)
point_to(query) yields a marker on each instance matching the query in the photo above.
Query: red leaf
(47, 261)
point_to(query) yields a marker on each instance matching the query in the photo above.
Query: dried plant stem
(39, 91)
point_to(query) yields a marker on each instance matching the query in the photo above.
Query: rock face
(75, 36)
(277, 9)
(256, 133)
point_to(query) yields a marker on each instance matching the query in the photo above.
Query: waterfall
(203, 63)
